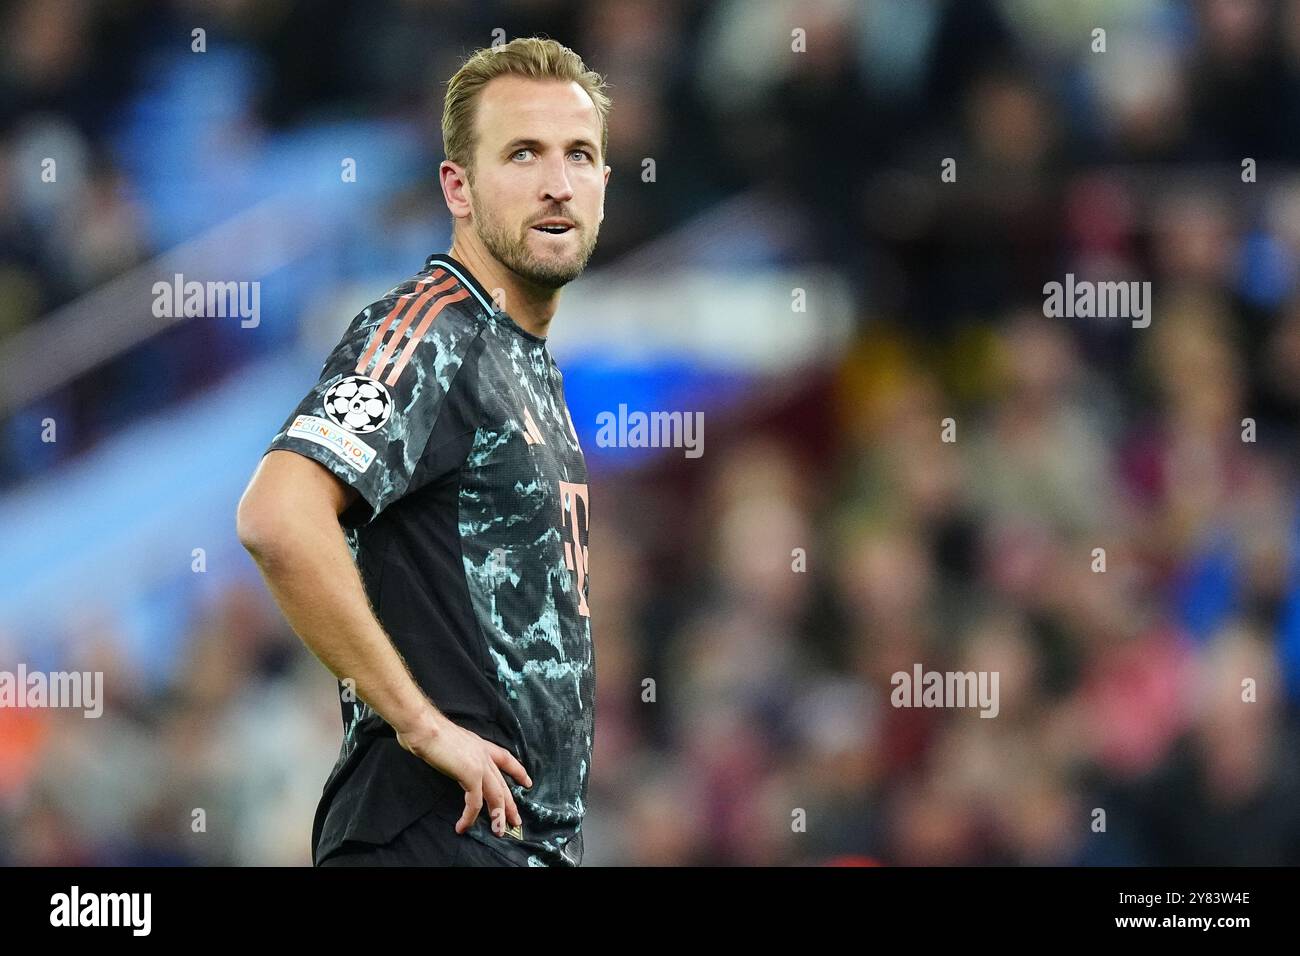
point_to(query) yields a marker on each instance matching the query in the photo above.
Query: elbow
(255, 524)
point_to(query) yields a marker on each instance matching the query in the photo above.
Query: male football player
(421, 517)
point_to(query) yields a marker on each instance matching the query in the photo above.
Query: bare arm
(288, 521)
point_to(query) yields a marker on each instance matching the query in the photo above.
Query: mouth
(554, 227)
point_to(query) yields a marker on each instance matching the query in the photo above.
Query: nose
(556, 186)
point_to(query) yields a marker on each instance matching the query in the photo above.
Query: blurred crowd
(1109, 520)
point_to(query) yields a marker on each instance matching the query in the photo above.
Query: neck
(530, 305)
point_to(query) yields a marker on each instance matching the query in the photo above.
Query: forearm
(336, 622)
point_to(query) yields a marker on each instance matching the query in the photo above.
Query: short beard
(512, 252)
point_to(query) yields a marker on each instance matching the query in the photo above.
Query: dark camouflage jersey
(470, 535)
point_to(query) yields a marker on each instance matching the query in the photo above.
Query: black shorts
(430, 841)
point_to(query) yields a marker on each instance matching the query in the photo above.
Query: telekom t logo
(575, 552)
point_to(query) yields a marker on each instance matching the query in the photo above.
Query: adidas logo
(532, 434)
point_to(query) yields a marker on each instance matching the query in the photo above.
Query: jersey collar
(443, 261)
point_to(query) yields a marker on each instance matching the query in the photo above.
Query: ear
(456, 188)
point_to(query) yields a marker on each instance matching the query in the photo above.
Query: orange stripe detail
(421, 329)
(378, 337)
(416, 307)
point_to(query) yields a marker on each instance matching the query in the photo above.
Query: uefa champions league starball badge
(358, 403)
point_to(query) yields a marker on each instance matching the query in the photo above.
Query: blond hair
(533, 57)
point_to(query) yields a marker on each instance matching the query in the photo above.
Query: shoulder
(435, 293)
(429, 321)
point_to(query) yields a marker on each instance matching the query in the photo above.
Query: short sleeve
(369, 416)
